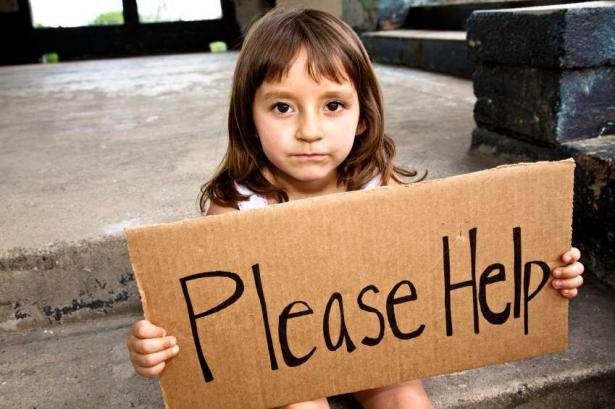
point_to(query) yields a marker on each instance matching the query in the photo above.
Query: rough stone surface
(594, 203)
(561, 36)
(594, 196)
(547, 105)
(86, 365)
(444, 52)
(89, 148)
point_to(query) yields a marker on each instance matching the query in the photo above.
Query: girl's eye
(283, 108)
(332, 106)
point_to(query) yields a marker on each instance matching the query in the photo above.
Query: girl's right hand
(149, 348)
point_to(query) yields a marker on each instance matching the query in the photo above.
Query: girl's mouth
(310, 155)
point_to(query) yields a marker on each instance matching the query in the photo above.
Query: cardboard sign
(357, 290)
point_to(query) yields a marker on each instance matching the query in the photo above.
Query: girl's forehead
(302, 69)
(303, 84)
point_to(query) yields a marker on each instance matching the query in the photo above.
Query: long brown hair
(269, 49)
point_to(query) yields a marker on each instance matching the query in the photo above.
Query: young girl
(305, 120)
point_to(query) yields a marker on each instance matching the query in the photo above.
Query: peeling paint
(20, 315)
(57, 313)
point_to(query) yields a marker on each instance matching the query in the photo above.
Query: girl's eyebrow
(290, 95)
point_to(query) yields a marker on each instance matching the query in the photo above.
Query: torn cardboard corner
(358, 290)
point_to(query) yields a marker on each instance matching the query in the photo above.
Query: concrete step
(439, 51)
(85, 365)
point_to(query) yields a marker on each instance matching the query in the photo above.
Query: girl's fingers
(569, 271)
(144, 329)
(568, 283)
(574, 254)
(152, 360)
(148, 346)
(152, 372)
(570, 294)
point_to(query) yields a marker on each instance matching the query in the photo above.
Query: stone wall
(545, 88)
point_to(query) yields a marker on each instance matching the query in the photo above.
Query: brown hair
(269, 49)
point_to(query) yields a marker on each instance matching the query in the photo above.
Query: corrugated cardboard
(266, 288)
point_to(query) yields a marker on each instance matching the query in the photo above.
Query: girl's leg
(313, 404)
(407, 395)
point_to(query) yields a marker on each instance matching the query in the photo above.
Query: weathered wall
(24, 44)
(248, 10)
(545, 89)
(362, 15)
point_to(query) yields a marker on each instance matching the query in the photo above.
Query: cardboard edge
(411, 185)
(336, 196)
(570, 233)
(130, 232)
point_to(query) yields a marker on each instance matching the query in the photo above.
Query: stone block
(575, 35)
(594, 204)
(594, 190)
(549, 106)
(444, 52)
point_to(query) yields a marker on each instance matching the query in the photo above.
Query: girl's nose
(309, 129)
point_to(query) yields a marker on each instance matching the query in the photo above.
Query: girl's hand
(567, 279)
(149, 348)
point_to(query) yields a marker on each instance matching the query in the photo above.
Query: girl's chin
(313, 177)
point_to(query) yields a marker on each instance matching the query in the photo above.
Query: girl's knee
(401, 396)
(313, 404)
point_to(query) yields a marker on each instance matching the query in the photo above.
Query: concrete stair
(431, 35)
(128, 152)
(85, 365)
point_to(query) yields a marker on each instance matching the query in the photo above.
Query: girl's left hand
(567, 279)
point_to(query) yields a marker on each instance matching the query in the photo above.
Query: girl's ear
(361, 127)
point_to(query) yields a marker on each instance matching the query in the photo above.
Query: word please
(298, 309)
(402, 292)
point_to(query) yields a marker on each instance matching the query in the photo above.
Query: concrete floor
(88, 148)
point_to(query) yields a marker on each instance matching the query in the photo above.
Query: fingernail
(557, 273)
(567, 259)
(557, 283)
(175, 349)
(172, 341)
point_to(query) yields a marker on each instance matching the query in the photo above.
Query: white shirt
(255, 200)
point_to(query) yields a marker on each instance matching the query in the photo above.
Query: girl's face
(306, 128)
